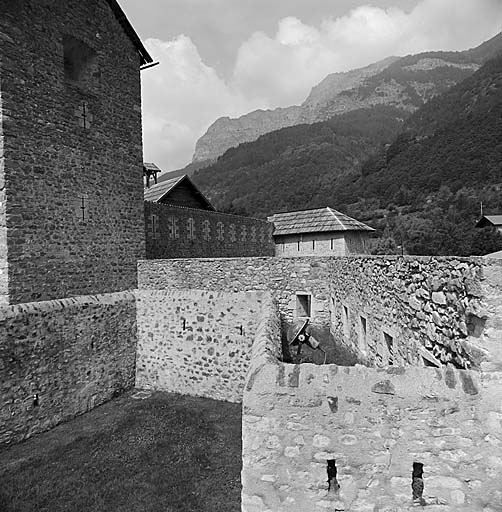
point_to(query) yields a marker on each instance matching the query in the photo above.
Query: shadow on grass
(167, 452)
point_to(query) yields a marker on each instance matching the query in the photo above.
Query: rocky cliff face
(405, 83)
(227, 133)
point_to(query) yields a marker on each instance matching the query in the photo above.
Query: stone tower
(71, 193)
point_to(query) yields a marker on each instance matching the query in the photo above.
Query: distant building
(320, 232)
(180, 222)
(150, 171)
(490, 221)
(180, 191)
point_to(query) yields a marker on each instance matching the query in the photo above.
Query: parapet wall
(374, 423)
(416, 311)
(197, 342)
(177, 232)
(61, 358)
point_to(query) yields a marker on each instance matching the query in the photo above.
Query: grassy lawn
(165, 453)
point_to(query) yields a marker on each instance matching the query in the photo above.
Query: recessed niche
(417, 483)
(389, 342)
(475, 325)
(333, 485)
(79, 59)
(345, 321)
(363, 332)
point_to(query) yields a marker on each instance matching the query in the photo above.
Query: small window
(389, 342)
(313, 245)
(332, 244)
(303, 305)
(154, 227)
(345, 321)
(79, 59)
(363, 332)
(298, 245)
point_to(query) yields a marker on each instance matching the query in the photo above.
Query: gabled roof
(129, 30)
(313, 221)
(148, 166)
(494, 220)
(160, 192)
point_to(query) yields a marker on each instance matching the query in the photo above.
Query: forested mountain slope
(304, 166)
(422, 191)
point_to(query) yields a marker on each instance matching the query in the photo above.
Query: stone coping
(270, 372)
(480, 260)
(26, 308)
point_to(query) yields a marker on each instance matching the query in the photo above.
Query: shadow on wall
(336, 352)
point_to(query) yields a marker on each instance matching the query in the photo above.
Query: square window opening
(303, 305)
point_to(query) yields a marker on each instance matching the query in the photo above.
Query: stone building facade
(179, 232)
(71, 214)
(71, 209)
(319, 232)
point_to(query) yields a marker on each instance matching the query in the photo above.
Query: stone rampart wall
(198, 342)
(417, 310)
(61, 358)
(374, 424)
(177, 232)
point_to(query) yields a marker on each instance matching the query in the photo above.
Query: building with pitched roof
(319, 232)
(494, 221)
(180, 191)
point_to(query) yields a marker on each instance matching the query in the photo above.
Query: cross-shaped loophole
(84, 116)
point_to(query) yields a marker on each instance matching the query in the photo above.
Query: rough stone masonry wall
(375, 424)
(435, 303)
(61, 358)
(67, 144)
(198, 342)
(180, 232)
(3, 229)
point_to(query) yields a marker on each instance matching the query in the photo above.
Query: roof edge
(145, 57)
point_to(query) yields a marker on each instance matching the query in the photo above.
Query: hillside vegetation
(418, 179)
(299, 167)
(433, 178)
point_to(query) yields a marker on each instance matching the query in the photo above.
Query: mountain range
(416, 173)
(405, 83)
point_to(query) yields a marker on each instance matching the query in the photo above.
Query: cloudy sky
(229, 57)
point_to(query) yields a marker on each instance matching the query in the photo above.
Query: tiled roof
(496, 220)
(157, 192)
(313, 221)
(151, 167)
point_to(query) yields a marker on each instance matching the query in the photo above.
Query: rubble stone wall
(71, 168)
(177, 232)
(418, 310)
(198, 342)
(62, 358)
(374, 424)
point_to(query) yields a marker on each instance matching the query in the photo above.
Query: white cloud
(184, 95)
(181, 98)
